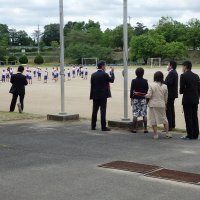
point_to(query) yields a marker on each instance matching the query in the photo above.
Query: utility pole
(62, 70)
(38, 39)
(125, 58)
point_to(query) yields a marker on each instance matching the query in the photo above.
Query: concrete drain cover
(130, 166)
(175, 176)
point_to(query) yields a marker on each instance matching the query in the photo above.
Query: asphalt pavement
(59, 161)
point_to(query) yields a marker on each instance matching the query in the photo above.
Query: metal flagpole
(125, 57)
(62, 71)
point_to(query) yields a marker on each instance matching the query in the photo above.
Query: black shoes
(188, 138)
(134, 131)
(103, 129)
(106, 129)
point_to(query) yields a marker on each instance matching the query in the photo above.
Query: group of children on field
(6, 74)
(38, 73)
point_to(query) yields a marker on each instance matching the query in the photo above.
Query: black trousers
(171, 113)
(191, 120)
(102, 104)
(14, 101)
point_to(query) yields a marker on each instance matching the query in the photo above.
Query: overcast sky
(27, 14)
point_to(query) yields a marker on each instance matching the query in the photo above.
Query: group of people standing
(158, 96)
(6, 74)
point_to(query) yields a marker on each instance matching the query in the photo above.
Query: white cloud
(26, 15)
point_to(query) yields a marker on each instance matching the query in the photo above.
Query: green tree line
(168, 39)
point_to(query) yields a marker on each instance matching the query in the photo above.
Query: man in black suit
(190, 88)
(172, 84)
(18, 89)
(100, 91)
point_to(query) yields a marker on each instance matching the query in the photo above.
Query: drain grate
(175, 176)
(130, 166)
(154, 171)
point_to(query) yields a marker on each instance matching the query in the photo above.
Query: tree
(175, 50)
(172, 30)
(78, 51)
(23, 39)
(4, 39)
(39, 60)
(116, 36)
(2, 60)
(51, 33)
(55, 44)
(193, 33)
(23, 59)
(147, 46)
(12, 60)
(140, 29)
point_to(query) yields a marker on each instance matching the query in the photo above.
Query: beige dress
(157, 94)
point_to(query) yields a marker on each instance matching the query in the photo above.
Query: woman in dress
(157, 95)
(139, 88)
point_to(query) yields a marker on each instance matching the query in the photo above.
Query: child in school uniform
(52, 73)
(73, 72)
(34, 72)
(7, 75)
(85, 73)
(29, 77)
(11, 71)
(55, 75)
(39, 74)
(45, 75)
(3, 79)
(68, 74)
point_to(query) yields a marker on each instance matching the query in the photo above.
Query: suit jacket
(190, 88)
(18, 83)
(100, 87)
(172, 84)
(158, 95)
(138, 85)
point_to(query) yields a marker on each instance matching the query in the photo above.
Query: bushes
(39, 60)
(23, 59)
(2, 60)
(12, 60)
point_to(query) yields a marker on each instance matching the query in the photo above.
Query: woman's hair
(159, 77)
(139, 72)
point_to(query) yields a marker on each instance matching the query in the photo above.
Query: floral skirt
(139, 107)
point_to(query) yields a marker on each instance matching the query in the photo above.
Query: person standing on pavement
(158, 95)
(190, 88)
(100, 91)
(18, 89)
(172, 84)
(139, 88)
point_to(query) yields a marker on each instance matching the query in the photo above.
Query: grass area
(13, 116)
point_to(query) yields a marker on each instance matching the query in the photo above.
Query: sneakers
(156, 136)
(19, 107)
(168, 135)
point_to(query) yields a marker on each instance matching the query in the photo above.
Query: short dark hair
(173, 64)
(20, 68)
(187, 64)
(139, 72)
(159, 77)
(101, 64)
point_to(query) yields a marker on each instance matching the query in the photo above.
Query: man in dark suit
(100, 91)
(190, 88)
(18, 89)
(172, 84)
